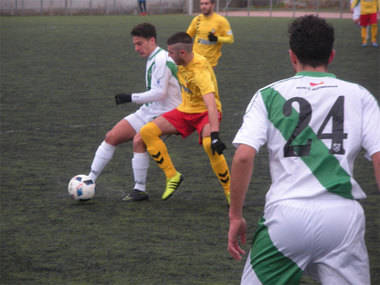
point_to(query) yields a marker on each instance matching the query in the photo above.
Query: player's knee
(112, 138)
(138, 143)
(149, 131)
(206, 143)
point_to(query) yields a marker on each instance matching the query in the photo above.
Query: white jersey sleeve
(370, 123)
(255, 114)
(161, 82)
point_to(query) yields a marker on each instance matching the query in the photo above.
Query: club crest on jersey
(336, 147)
(186, 89)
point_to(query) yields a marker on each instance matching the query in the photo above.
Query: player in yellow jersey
(368, 17)
(200, 110)
(209, 31)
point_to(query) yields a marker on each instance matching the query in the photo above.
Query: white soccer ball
(81, 187)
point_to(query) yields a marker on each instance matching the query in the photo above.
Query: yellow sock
(364, 35)
(219, 166)
(150, 134)
(373, 33)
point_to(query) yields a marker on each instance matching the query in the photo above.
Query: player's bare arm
(376, 167)
(212, 129)
(241, 171)
(210, 102)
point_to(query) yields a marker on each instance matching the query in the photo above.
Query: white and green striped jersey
(163, 92)
(314, 126)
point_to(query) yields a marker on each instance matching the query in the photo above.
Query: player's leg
(140, 165)
(363, 29)
(140, 160)
(218, 162)
(374, 29)
(120, 133)
(348, 262)
(266, 264)
(219, 166)
(157, 149)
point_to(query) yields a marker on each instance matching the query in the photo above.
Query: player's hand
(216, 144)
(123, 98)
(212, 37)
(237, 233)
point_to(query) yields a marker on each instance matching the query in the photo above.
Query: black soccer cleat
(135, 196)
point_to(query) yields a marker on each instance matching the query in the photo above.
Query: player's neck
(189, 57)
(309, 68)
(152, 49)
(209, 14)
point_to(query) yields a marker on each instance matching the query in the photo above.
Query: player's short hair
(311, 39)
(181, 38)
(144, 30)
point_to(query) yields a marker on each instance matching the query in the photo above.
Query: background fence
(226, 7)
(91, 7)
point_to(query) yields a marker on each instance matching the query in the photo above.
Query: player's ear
(292, 56)
(293, 59)
(332, 55)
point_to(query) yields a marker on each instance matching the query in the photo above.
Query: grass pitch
(58, 79)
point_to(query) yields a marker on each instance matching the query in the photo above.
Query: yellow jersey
(199, 29)
(196, 79)
(367, 6)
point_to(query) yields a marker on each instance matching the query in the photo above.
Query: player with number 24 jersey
(333, 136)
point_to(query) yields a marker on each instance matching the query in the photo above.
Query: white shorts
(323, 238)
(142, 116)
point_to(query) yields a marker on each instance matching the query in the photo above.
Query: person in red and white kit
(368, 19)
(163, 94)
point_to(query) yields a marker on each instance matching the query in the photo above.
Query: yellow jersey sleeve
(191, 30)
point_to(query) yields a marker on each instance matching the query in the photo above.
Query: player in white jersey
(314, 126)
(356, 13)
(162, 95)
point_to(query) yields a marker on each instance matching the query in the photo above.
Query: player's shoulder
(217, 15)
(220, 18)
(196, 19)
(279, 83)
(160, 55)
(199, 61)
(355, 89)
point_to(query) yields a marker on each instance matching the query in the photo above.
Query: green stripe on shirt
(324, 166)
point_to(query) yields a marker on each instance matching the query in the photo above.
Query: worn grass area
(58, 79)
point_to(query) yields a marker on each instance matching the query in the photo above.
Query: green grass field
(58, 79)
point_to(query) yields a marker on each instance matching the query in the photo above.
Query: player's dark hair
(144, 30)
(180, 37)
(311, 39)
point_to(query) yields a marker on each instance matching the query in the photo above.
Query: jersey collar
(316, 74)
(153, 54)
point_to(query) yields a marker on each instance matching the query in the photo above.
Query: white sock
(103, 155)
(140, 165)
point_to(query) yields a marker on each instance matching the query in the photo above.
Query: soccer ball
(81, 187)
